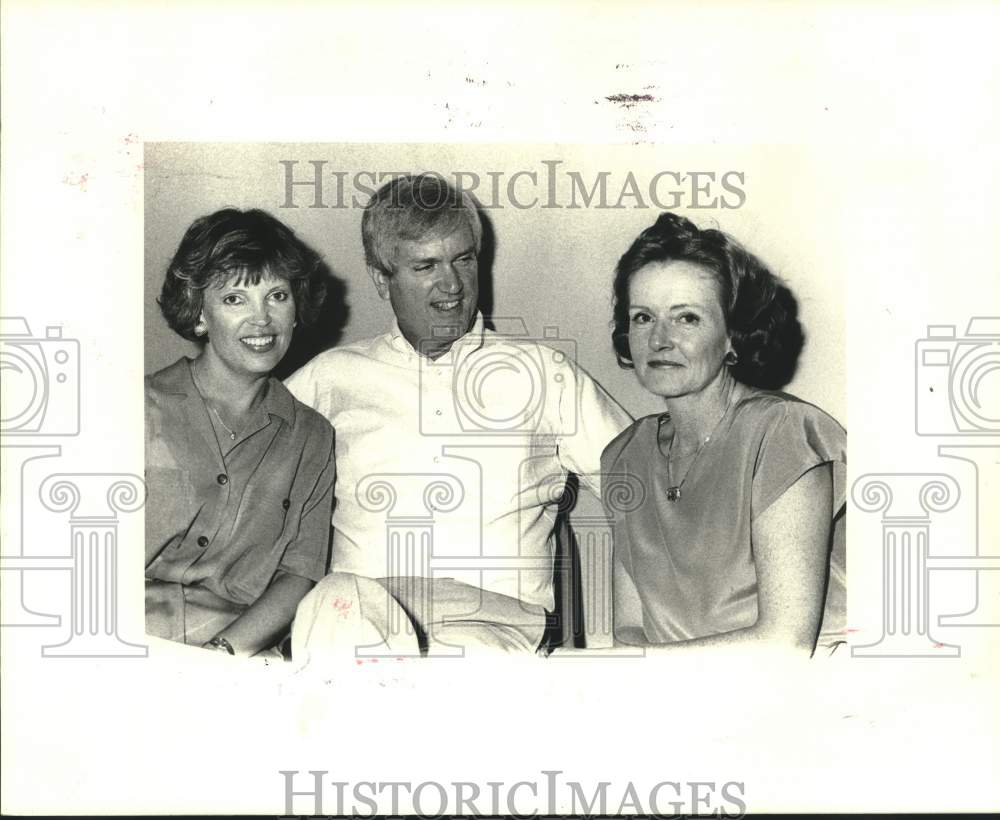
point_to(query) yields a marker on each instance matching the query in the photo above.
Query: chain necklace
(674, 490)
(232, 435)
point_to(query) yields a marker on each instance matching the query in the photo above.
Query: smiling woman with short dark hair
(239, 473)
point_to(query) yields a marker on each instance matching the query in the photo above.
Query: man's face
(435, 289)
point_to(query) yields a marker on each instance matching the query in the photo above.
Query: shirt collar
(177, 380)
(463, 345)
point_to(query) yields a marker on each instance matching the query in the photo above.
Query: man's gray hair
(412, 207)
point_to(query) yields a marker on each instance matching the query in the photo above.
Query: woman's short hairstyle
(411, 207)
(248, 245)
(760, 312)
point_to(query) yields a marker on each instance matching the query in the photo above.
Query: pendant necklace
(229, 431)
(674, 490)
(232, 435)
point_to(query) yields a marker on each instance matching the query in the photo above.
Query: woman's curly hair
(760, 311)
(249, 245)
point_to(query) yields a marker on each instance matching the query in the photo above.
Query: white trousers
(350, 616)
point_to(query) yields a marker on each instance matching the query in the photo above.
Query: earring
(731, 358)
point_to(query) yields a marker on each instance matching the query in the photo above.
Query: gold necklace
(674, 490)
(232, 435)
(211, 407)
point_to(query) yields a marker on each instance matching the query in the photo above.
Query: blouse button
(202, 541)
(286, 504)
(222, 478)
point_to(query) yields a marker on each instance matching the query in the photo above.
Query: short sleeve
(797, 437)
(589, 419)
(622, 489)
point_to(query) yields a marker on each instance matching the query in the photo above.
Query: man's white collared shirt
(453, 467)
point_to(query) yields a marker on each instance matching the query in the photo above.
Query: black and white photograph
(468, 429)
(479, 382)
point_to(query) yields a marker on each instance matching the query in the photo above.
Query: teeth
(259, 341)
(447, 305)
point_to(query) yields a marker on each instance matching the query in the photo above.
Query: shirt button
(222, 478)
(437, 412)
(202, 541)
(286, 504)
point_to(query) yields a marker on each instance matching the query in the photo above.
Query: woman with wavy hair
(735, 529)
(239, 473)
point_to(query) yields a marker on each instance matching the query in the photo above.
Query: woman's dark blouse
(692, 560)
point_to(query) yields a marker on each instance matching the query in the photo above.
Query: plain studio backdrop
(560, 217)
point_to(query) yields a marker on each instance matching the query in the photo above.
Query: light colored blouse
(692, 560)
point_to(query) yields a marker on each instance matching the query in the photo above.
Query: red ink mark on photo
(80, 181)
(342, 606)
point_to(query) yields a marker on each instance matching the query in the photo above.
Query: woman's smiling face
(677, 330)
(249, 326)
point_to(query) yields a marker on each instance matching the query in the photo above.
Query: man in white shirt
(453, 445)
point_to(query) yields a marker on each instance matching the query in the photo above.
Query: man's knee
(347, 613)
(324, 612)
(338, 592)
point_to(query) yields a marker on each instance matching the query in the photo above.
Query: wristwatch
(220, 644)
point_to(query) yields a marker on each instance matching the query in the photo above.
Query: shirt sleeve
(302, 385)
(797, 437)
(589, 420)
(308, 554)
(317, 383)
(618, 490)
